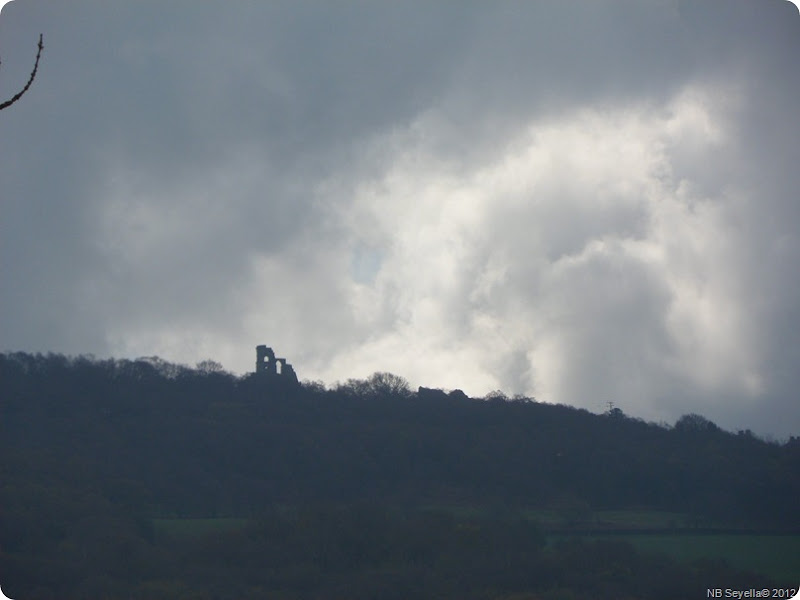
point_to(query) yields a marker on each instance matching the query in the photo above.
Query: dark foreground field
(365, 551)
(774, 556)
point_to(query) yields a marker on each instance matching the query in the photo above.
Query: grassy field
(609, 519)
(776, 556)
(184, 527)
(640, 519)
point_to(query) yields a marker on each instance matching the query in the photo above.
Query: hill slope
(95, 450)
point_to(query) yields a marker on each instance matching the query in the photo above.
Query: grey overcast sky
(585, 201)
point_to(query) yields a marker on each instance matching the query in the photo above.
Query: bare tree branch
(19, 94)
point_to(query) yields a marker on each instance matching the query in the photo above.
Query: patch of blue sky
(365, 262)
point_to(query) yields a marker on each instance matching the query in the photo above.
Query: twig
(19, 94)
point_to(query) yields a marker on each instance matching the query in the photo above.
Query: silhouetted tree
(209, 366)
(694, 422)
(388, 384)
(19, 94)
(378, 384)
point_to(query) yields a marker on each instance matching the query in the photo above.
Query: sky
(585, 202)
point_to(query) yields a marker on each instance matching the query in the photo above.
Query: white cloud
(577, 246)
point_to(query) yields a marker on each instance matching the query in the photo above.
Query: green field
(776, 556)
(617, 519)
(183, 527)
(640, 519)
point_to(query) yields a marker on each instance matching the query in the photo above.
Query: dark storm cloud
(585, 201)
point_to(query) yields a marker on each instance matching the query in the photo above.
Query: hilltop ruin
(275, 368)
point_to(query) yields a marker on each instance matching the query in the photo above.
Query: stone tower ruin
(275, 368)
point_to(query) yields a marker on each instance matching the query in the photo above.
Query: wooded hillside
(367, 477)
